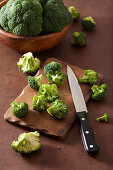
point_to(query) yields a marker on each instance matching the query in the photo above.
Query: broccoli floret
(22, 18)
(75, 14)
(90, 77)
(50, 92)
(57, 78)
(88, 23)
(39, 103)
(29, 64)
(27, 143)
(55, 16)
(58, 109)
(103, 118)
(19, 110)
(52, 67)
(79, 38)
(35, 82)
(99, 92)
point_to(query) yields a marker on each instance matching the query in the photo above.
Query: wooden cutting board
(43, 122)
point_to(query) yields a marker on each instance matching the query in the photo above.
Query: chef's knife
(81, 110)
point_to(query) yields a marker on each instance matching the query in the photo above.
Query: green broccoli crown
(58, 109)
(57, 78)
(39, 103)
(35, 82)
(27, 143)
(99, 92)
(52, 67)
(29, 64)
(103, 118)
(88, 23)
(75, 14)
(22, 17)
(50, 92)
(55, 16)
(90, 77)
(19, 110)
(79, 38)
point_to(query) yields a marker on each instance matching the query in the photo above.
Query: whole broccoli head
(88, 23)
(57, 78)
(52, 67)
(79, 38)
(22, 17)
(29, 64)
(99, 92)
(58, 109)
(39, 103)
(55, 16)
(27, 143)
(90, 77)
(75, 14)
(104, 118)
(19, 109)
(35, 82)
(50, 92)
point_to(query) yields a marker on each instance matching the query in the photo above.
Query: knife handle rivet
(91, 146)
(83, 118)
(87, 132)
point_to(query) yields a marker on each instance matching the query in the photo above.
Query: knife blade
(81, 110)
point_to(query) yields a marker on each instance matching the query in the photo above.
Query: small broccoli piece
(55, 16)
(103, 118)
(19, 110)
(75, 14)
(88, 23)
(79, 38)
(50, 92)
(90, 77)
(58, 109)
(35, 82)
(52, 67)
(57, 78)
(99, 92)
(39, 103)
(27, 143)
(29, 64)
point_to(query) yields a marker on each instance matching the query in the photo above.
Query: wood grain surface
(43, 121)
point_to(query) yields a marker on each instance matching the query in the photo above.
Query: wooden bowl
(32, 44)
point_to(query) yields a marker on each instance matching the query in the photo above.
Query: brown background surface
(97, 55)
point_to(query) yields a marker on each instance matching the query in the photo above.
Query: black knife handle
(87, 134)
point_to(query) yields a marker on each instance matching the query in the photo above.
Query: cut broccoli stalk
(90, 77)
(75, 14)
(29, 64)
(39, 103)
(27, 143)
(52, 67)
(99, 92)
(79, 38)
(57, 78)
(104, 118)
(35, 82)
(88, 23)
(58, 109)
(19, 110)
(50, 92)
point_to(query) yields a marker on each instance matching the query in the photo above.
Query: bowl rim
(11, 35)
